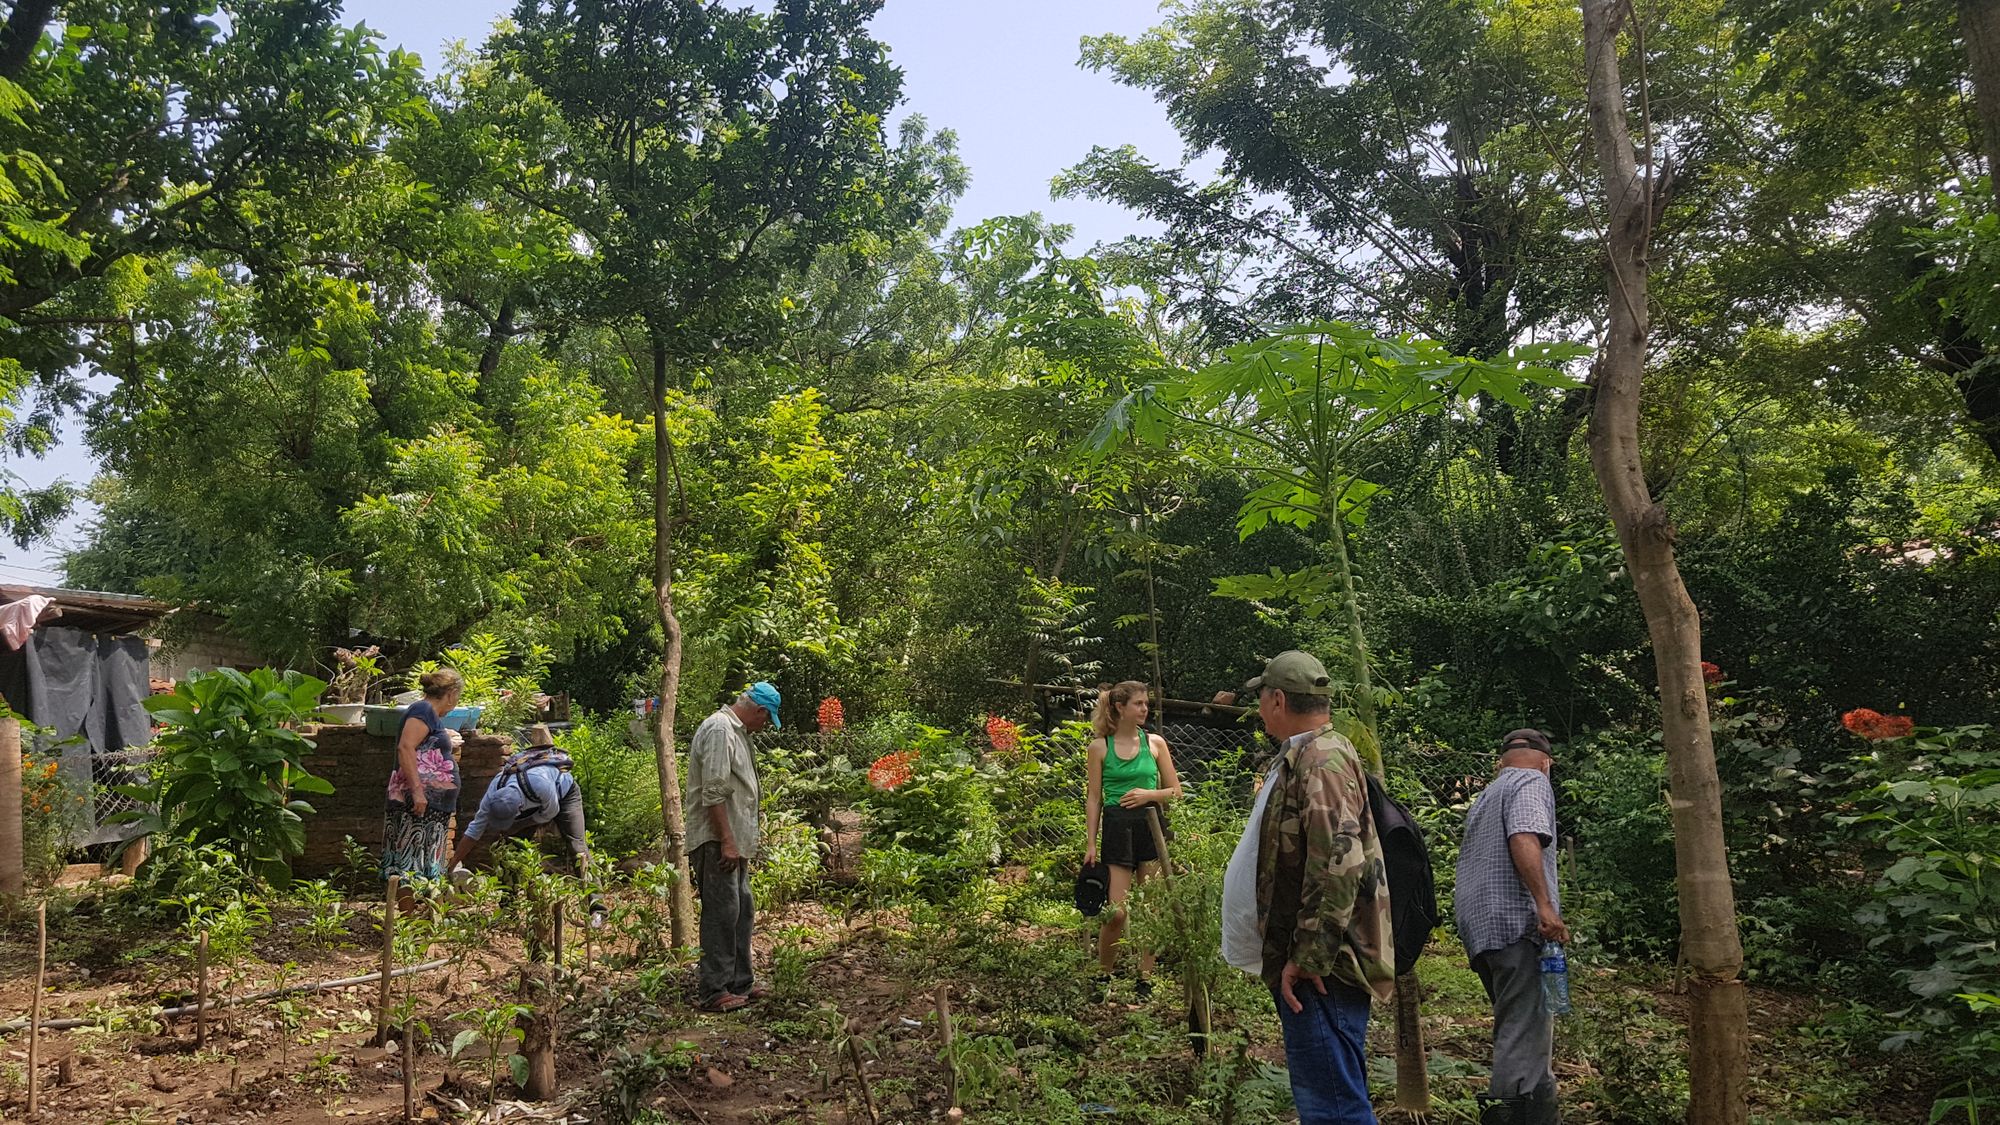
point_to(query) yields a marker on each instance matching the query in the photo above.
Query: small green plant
(981, 1062)
(325, 922)
(620, 785)
(228, 763)
(630, 1076)
(494, 1028)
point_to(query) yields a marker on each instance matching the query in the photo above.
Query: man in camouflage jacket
(1322, 895)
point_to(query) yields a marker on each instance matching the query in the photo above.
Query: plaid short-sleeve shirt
(1493, 907)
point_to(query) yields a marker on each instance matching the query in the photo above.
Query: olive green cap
(1294, 673)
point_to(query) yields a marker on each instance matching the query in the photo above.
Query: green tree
(137, 130)
(704, 151)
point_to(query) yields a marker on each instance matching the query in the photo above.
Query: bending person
(533, 788)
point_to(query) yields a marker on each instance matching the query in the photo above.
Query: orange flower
(1003, 734)
(892, 770)
(1875, 726)
(832, 716)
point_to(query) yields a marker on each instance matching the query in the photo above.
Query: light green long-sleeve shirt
(721, 770)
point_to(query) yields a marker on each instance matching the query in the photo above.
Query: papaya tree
(1304, 413)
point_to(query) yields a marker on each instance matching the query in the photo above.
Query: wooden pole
(13, 876)
(409, 1073)
(388, 960)
(35, 1006)
(556, 925)
(860, 1075)
(944, 1032)
(201, 991)
(1196, 989)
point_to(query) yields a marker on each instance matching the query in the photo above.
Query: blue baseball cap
(766, 696)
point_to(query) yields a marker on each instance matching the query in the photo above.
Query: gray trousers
(725, 924)
(1523, 1034)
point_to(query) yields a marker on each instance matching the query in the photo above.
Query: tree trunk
(22, 34)
(1359, 673)
(680, 907)
(1717, 1021)
(1979, 26)
(1413, 1081)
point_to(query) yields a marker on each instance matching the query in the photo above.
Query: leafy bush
(52, 806)
(227, 763)
(508, 697)
(620, 783)
(1930, 807)
(1614, 801)
(787, 860)
(938, 826)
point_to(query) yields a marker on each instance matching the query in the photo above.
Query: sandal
(758, 992)
(727, 1002)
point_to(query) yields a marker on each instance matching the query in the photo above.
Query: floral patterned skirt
(417, 847)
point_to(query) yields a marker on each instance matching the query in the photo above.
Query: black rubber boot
(1505, 1111)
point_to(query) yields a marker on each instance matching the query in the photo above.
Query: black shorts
(1125, 837)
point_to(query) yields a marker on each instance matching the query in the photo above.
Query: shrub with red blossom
(1711, 673)
(832, 716)
(892, 770)
(1003, 734)
(1875, 726)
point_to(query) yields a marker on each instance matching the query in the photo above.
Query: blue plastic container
(462, 718)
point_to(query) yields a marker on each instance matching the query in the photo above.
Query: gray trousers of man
(725, 924)
(1523, 1033)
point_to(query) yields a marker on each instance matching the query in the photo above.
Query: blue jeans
(1326, 1052)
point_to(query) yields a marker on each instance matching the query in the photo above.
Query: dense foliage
(372, 355)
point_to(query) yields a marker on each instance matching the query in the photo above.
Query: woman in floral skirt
(423, 790)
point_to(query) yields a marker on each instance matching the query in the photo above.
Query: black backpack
(1413, 904)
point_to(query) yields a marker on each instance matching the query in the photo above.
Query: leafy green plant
(493, 1028)
(1931, 804)
(227, 764)
(52, 807)
(630, 1076)
(620, 786)
(787, 860)
(508, 697)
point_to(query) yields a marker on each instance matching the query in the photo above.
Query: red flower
(831, 715)
(1003, 734)
(1875, 726)
(892, 770)
(1711, 673)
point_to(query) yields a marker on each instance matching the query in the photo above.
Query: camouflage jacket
(1322, 892)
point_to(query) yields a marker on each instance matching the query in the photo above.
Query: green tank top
(1122, 776)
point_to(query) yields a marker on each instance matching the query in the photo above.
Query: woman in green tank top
(1128, 772)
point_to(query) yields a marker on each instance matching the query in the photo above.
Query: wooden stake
(944, 1033)
(409, 1073)
(556, 924)
(35, 1007)
(388, 960)
(13, 876)
(201, 991)
(1198, 1014)
(860, 1075)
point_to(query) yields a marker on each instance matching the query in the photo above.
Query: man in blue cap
(719, 804)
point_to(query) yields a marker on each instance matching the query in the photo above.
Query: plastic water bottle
(1555, 979)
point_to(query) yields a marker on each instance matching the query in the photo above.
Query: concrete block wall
(358, 765)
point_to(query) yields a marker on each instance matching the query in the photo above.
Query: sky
(1003, 76)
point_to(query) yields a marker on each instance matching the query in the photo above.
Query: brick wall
(358, 764)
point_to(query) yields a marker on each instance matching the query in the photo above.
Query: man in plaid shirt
(1507, 905)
